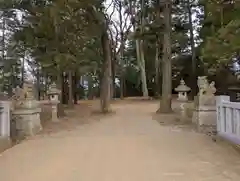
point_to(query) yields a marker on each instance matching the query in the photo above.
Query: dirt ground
(83, 113)
(129, 145)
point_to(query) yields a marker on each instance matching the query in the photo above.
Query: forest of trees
(121, 47)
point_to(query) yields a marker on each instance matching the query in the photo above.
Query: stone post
(5, 119)
(5, 138)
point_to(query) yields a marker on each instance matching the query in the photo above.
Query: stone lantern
(182, 90)
(53, 94)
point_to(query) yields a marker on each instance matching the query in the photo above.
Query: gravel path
(128, 146)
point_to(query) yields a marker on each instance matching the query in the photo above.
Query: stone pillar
(5, 119)
(54, 113)
(5, 140)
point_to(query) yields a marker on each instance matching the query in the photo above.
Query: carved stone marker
(53, 94)
(204, 115)
(26, 111)
(182, 90)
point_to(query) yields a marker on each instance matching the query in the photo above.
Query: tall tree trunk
(46, 84)
(3, 51)
(113, 92)
(12, 81)
(3, 38)
(157, 55)
(122, 92)
(90, 87)
(122, 78)
(139, 47)
(113, 57)
(166, 99)
(60, 85)
(143, 70)
(38, 83)
(23, 69)
(65, 88)
(194, 63)
(70, 89)
(105, 94)
(61, 112)
(75, 87)
(157, 63)
(141, 51)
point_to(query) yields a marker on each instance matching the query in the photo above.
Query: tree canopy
(66, 41)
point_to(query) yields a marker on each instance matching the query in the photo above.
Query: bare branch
(109, 5)
(125, 22)
(114, 8)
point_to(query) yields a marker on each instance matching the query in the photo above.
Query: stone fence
(228, 119)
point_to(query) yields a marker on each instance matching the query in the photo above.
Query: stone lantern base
(28, 122)
(54, 105)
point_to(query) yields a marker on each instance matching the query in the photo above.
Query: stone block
(27, 122)
(204, 118)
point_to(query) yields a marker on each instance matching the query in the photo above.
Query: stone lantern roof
(53, 90)
(182, 87)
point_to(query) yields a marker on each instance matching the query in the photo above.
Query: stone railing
(228, 119)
